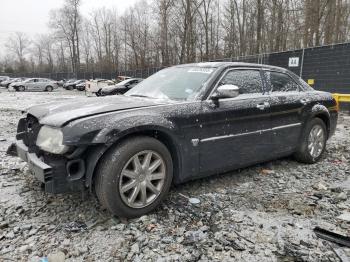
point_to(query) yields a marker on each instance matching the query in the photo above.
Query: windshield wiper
(141, 96)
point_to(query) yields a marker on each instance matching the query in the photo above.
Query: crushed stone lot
(262, 213)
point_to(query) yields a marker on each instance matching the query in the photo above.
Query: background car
(2, 78)
(78, 82)
(61, 82)
(68, 85)
(121, 87)
(6, 83)
(36, 84)
(81, 86)
(95, 86)
(73, 84)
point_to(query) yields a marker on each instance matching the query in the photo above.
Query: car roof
(230, 64)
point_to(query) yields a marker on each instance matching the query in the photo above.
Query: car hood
(60, 113)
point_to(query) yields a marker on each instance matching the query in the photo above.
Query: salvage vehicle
(182, 123)
(95, 86)
(120, 88)
(35, 84)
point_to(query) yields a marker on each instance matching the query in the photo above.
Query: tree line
(158, 33)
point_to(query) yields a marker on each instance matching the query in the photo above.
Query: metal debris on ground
(331, 236)
(75, 226)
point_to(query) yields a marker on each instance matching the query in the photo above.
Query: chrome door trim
(214, 138)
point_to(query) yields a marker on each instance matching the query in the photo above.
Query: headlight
(50, 140)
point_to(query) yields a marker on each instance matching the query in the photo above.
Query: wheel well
(160, 136)
(165, 139)
(325, 119)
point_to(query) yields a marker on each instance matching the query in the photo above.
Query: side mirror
(226, 91)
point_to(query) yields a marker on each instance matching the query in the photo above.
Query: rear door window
(249, 81)
(281, 82)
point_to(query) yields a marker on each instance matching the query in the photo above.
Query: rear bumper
(54, 173)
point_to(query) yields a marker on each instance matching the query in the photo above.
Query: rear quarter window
(281, 82)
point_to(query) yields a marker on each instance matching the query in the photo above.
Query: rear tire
(118, 169)
(98, 93)
(49, 88)
(313, 142)
(21, 89)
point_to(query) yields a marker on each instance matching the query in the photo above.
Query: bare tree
(163, 8)
(66, 22)
(166, 32)
(18, 44)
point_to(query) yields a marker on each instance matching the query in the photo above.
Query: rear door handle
(263, 106)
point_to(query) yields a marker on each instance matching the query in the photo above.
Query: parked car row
(21, 84)
(7, 82)
(99, 87)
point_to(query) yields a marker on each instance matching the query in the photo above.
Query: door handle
(304, 101)
(262, 106)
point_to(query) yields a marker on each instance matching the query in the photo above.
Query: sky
(32, 16)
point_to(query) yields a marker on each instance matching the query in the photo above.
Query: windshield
(175, 83)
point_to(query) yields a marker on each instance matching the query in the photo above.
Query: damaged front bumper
(58, 175)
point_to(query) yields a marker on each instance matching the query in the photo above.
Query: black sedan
(182, 123)
(81, 86)
(71, 84)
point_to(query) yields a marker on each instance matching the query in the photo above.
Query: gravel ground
(262, 213)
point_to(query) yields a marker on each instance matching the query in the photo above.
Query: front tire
(134, 177)
(313, 142)
(21, 89)
(49, 89)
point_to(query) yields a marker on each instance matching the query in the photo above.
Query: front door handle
(304, 101)
(263, 106)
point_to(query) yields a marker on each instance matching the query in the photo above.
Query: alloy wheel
(316, 141)
(142, 179)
